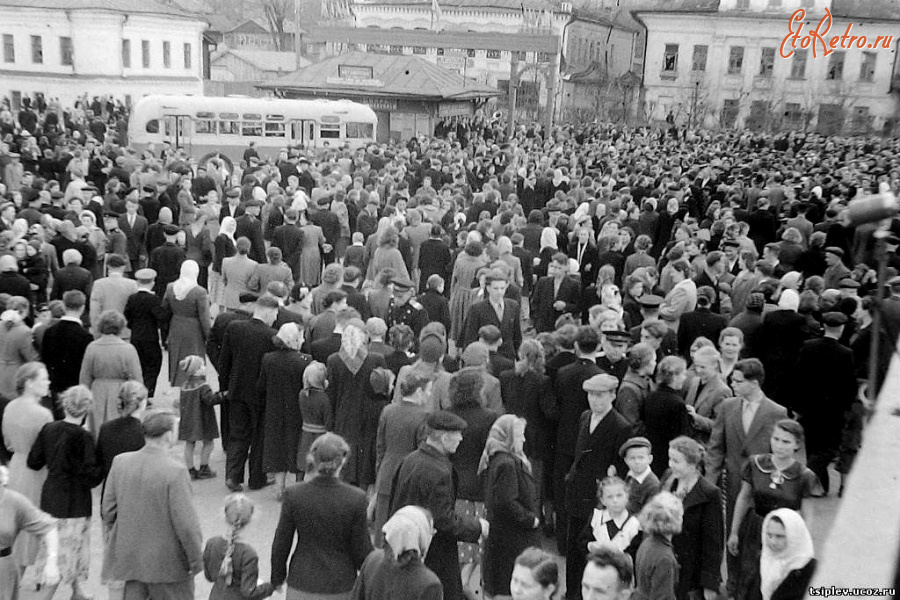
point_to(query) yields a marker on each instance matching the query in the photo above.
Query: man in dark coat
(245, 344)
(134, 226)
(434, 258)
(572, 402)
(356, 299)
(146, 319)
(289, 239)
(405, 309)
(435, 302)
(426, 478)
(498, 311)
(701, 322)
(250, 227)
(65, 343)
(601, 432)
(554, 295)
(166, 260)
(11, 282)
(825, 390)
(71, 277)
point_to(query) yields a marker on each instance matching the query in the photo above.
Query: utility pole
(513, 90)
(297, 51)
(694, 104)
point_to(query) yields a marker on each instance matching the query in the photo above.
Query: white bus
(210, 126)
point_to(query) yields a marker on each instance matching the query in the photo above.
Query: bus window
(152, 126)
(252, 117)
(360, 130)
(274, 117)
(329, 131)
(205, 126)
(274, 129)
(206, 115)
(251, 128)
(229, 128)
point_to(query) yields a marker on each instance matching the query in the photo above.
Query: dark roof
(153, 7)
(867, 9)
(401, 75)
(248, 26)
(514, 5)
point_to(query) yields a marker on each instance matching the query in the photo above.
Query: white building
(125, 48)
(719, 63)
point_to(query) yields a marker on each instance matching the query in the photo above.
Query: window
(9, 48)
(188, 59)
(274, 129)
(735, 60)
(698, 63)
(66, 51)
(152, 126)
(355, 72)
(252, 125)
(836, 65)
(729, 112)
(360, 130)
(167, 55)
(495, 54)
(419, 50)
(126, 54)
(145, 54)
(798, 65)
(331, 131)
(470, 53)
(743, 4)
(440, 52)
(867, 68)
(670, 58)
(396, 50)
(16, 100)
(543, 57)
(861, 119)
(37, 49)
(774, 3)
(793, 116)
(767, 62)
(205, 126)
(229, 127)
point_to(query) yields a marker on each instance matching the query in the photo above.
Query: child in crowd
(230, 563)
(656, 568)
(355, 254)
(315, 407)
(198, 418)
(611, 522)
(643, 484)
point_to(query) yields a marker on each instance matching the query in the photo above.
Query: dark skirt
(501, 549)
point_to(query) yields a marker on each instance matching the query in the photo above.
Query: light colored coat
(681, 299)
(154, 530)
(706, 404)
(236, 274)
(110, 293)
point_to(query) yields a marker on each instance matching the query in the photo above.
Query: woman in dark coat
(279, 385)
(223, 247)
(511, 499)
(188, 303)
(663, 413)
(125, 433)
(699, 546)
(67, 450)
(328, 518)
(349, 386)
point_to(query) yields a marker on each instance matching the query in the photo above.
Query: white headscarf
(548, 238)
(409, 529)
(190, 270)
(773, 568)
(226, 225)
(789, 300)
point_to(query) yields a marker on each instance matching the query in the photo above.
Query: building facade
(728, 64)
(69, 49)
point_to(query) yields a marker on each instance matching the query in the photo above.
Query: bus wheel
(206, 159)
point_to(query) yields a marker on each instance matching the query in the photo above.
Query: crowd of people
(645, 347)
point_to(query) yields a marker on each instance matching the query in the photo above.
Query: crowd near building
(529, 359)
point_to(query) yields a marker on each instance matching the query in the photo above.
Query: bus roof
(191, 105)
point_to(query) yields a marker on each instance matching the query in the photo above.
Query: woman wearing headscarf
(511, 500)
(779, 341)
(224, 247)
(311, 253)
(349, 374)
(549, 247)
(96, 238)
(279, 386)
(398, 570)
(388, 255)
(787, 563)
(189, 326)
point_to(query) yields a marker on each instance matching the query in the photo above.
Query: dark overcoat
(280, 383)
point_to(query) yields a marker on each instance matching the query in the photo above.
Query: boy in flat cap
(643, 484)
(425, 479)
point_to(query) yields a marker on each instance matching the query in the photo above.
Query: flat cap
(635, 442)
(554, 205)
(145, 275)
(110, 214)
(443, 420)
(233, 193)
(835, 250)
(115, 261)
(253, 204)
(834, 319)
(600, 383)
(650, 300)
(248, 297)
(618, 337)
(731, 243)
(171, 229)
(848, 283)
(403, 282)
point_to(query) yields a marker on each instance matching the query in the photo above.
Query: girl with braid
(230, 563)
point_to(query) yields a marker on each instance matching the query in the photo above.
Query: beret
(443, 420)
(233, 193)
(171, 229)
(635, 442)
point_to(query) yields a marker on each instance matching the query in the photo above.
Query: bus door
(304, 132)
(177, 131)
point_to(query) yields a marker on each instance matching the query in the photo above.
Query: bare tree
(277, 13)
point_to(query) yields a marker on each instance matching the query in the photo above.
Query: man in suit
(289, 239)
(166, 260)
(71, 277)
(155, 543)
(572, 402)
(434, 257)
(426, 478)
(742, 428)
(700, 322)
(682, 298)
(232, 207)
(825, 390)
(146, 319)
(554, 295)
(111, 292)
(650, 304)
(602, 431)
(498, 311)
(134, 226)
(245, 344)
(63, 348)
(705, 392)
(250, 227)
